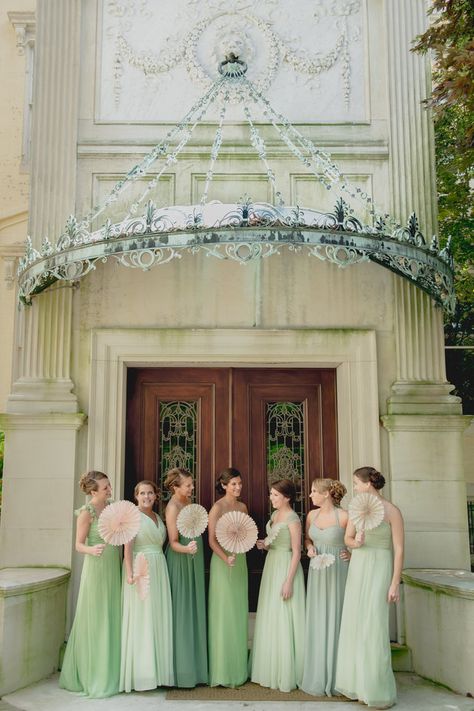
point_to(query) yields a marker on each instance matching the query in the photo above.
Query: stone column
(42, 413)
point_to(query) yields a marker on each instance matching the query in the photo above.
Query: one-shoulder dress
(91, 662)
(147, 624)
(277, 651)
(364, 665)
(324, 600)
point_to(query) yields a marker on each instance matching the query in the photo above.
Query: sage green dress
(364, 664)
(278, 643)
(228, 622)
(324, 600)
(91, 662)
(147, 625)
(186, 574)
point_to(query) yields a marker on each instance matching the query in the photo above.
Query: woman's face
(359, 486)
(317, 497)
(277, 500)
(146, 497)
(103, 491)
(185, 488)
(233, 487)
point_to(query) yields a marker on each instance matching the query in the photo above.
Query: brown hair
(287, 488)
(174, 478)
(369, 474)
(224, 478)
(336, 489)
(147, 482)
(88, 481)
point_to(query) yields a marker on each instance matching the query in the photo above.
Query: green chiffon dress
(186, 574)
(228, 622)
(147, 625)
(277, 651)
(324, 600)
(91, 662)
(364, 665)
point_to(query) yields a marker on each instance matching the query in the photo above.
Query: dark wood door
(268, 423)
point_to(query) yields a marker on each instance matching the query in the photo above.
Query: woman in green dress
(277, 651)
(364, 665)
(325, 529)
(147, 624)
(91, 662)
(186, 571)
(228, 594)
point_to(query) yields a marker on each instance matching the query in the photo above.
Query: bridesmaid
(91, 662)
(228, 594)
(147, 625)
(364, 668)
(186, 570)
(325, 529)
(277, 653)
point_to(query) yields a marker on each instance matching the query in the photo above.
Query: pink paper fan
(321, 561)
(119, 523)
(141, 575)
(192, 520)
(236, 532)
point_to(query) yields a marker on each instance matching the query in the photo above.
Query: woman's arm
(350, 538)
(396, 523)
(308, 543)
(171, 514)
(295, 536)
(343, 520)
(128, 559)
(84, 521)
(214, 515)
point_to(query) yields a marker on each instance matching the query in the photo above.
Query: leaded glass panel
(285, 446)
(178, 428)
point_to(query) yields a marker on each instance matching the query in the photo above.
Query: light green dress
(228, 622)
(189, 615)
(277, 652)
(324, 600)
(147, 625)
(364, 665)
(91, 662)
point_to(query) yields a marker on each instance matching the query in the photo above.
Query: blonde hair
(336, 489)
(146, 482)
(89, 481)
(174, 478)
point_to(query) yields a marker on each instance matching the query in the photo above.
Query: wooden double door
(268, 423)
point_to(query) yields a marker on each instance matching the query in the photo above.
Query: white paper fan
(366, 512)
(274, 531)
(236, 532)
(321, 561)
(119, 523)
(141, 575)
(192, 520)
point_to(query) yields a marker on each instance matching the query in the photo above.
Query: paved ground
(415, 694)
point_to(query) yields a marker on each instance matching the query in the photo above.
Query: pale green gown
(364, 665)
(277, 651)
(189, 615)
(91, 662)
(324, 600)
(228, 622)
(147, 625)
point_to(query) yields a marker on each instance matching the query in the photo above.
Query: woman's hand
(287, 590)
(359, 539)
(231, 561)
(261, 545)
(192, 547)
(393, 593)
(345, 554)
(130, 580)
(97, 550)
(311, 551)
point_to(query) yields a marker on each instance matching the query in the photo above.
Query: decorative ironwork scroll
(285, 446)
(178, 427)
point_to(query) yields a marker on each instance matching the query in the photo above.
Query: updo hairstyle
(225, 477)
(146, 482)
(369, 474)
(88, 481)
(287, 488)
(336, 489)
(175, 477)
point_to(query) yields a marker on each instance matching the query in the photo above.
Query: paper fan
(321, 561)
(119, 522)
(274, 531)
(141, 575)
(192, 520)
(366, 512)
(236, 532)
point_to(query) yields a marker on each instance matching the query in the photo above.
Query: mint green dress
(186, 574)
(91, 662)
(364, 664)
(324, 600)
(228, 622)
(147, 625)
(278, 643)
